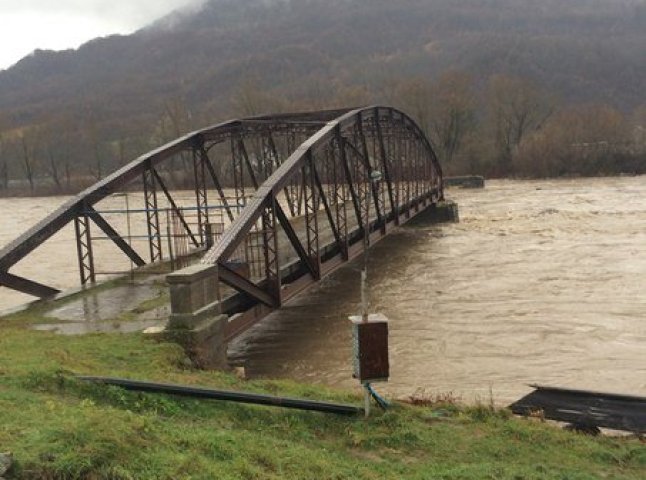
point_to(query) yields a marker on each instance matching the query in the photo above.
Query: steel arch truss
(356, 177)
(294, 195)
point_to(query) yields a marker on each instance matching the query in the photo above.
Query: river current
(540, 282)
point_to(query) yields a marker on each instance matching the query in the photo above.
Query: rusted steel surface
(334, 168)
(584, 408)
(27, 286)
(297, 191)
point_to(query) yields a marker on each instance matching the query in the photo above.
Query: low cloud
(45, 24)
(123, 13)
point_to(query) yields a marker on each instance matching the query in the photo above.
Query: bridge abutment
(196, 321)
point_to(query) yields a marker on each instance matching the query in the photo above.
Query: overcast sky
(26, 25)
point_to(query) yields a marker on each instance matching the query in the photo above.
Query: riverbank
(58, 427)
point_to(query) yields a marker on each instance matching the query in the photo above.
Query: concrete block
(193, 288)
(442, 212)
(196, 322)
(187, 321)
(466, 181)
(205, 343)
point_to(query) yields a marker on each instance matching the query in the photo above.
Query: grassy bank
(58, 427)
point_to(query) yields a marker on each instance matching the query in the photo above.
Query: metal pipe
(240, 397)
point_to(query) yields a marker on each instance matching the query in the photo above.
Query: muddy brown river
(541, 282)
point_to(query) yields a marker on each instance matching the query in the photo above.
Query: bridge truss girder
(343, 209)
(295, 192)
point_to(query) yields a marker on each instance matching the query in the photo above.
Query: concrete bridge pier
(196, 321)
(441, 212)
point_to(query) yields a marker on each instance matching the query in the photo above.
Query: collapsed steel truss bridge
(277, 202)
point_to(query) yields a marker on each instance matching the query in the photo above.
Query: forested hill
(232, 57)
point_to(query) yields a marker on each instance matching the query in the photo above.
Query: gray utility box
(370, 348)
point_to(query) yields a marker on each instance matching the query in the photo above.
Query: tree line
(505, 126)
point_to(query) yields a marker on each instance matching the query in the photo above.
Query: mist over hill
(121, 95)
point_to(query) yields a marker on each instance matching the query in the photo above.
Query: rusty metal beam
(384, 161)
(26, 286)
(216, 181)
(201, 195)
(356, 203)
(294, 240)
(316, 131)
(241, 284)
(326, 206)
(52, 223)
(288, 196)
(152, 216)
(311, 215)
(84, 248)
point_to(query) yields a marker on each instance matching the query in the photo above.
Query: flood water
(541, 282)
(55, 262)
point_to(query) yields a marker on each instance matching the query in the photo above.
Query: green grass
(59, 428)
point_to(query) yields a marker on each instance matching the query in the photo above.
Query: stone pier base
(196, 322)
(466, 181)
(442, 212)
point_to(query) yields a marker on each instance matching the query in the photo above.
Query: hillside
(193, 67)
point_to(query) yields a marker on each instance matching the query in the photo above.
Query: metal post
(366, 399)
(169, 236)
(152, 216)
(132, 266)
(201, 198)
(84, 248)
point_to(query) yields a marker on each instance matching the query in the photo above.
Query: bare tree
(515, 108)
(452, 112)
(176, 119)
(444, 109)
(4, 170)
(585, 140)
(53, 147)
(639, 129)
(28, 159)
(4, 174)
(89, 132)
(412, 96)
(250, 99)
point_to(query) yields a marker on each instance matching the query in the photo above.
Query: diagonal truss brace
(114, 236)
(27, 286)
(241, 284)
(174, 207)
